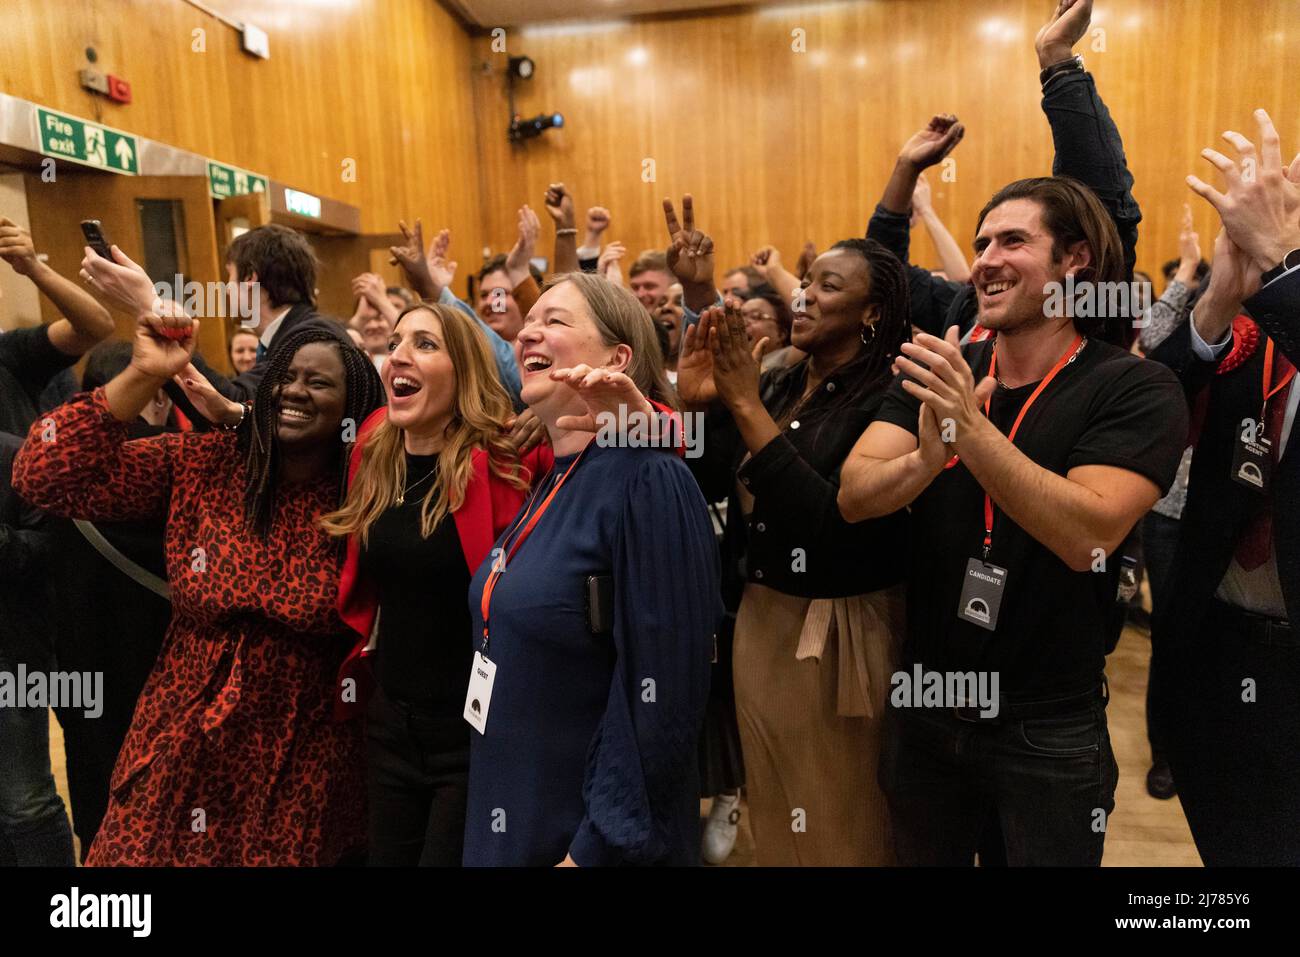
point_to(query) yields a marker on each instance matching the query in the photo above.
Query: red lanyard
(498, 564)
(1061, 363)
(1268, 379)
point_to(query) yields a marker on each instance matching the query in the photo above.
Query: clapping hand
(736, 366)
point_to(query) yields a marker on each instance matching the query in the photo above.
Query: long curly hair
(480, 412)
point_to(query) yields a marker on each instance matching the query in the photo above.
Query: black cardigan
(795, 481)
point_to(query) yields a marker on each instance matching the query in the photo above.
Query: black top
(1218, 508)
(1105, 408)
(796, 540)
(28, 361)
(26, 551)
(424, 640)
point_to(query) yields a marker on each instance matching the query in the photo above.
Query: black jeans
(1160, 539)
(418, 780)
(34, 830)
(1050, 782)
(1234, 741)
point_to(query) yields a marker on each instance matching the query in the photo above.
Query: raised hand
(441, 268)
(805, 260)
(690, 251)
(525, 246)
(931, 144)
(16, 247)
(1234, 277)
(921, 195)
(1056, 38)
(767, 258)
(121, 282)
(1261, 209)
(605, 393)
(210, 403)
(597, 223)
(370, 286)
(411, 257)
(1189, 244)
(164, 344)
(736, 365)
(608, 263)
(559, 204)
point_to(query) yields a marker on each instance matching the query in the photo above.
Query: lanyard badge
(984, 584)
(1252, 456)
(483, 671)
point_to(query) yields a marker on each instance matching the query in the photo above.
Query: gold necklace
(401, 496)
(1084, 342)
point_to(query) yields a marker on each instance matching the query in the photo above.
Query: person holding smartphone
(232, 757)
(30, 356)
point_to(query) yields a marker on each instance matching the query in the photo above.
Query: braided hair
(257, 441)
(888, 292)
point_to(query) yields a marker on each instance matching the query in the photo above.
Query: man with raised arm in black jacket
(1232, 699)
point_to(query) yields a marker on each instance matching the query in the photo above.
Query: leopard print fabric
(232, 757)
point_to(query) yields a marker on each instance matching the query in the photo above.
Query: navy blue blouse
(590, 746)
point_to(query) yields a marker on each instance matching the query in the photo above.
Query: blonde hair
(479, 414)
(620, 318)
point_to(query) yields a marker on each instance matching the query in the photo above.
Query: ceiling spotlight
(521, 129)
(522, 67)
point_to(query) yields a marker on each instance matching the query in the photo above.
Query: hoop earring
(863, 334)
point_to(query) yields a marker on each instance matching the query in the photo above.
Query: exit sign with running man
(90, 144)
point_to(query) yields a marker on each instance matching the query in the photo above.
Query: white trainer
(720, 829)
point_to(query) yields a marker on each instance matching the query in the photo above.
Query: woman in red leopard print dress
(232, 757)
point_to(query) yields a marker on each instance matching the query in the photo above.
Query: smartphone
(600, 604)
(93, 230)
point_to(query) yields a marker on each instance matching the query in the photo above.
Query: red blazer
(490, 503)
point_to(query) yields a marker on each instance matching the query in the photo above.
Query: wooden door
(236, 215)
(131, 209)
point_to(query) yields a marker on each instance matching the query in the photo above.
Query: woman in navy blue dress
(588, 750)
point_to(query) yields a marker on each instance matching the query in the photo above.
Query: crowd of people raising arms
(424, 610)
